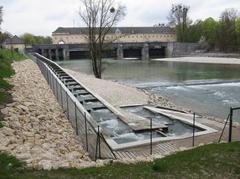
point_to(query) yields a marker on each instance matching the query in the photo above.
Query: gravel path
(114, 93)
(121, 95)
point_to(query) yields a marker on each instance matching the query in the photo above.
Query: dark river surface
(209, 89)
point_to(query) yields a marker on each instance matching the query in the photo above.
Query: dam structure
(121, 42)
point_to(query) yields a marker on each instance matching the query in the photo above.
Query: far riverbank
(212, 60)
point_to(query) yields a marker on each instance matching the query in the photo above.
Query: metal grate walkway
(159, 149)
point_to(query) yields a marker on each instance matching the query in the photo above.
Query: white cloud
(42, 17)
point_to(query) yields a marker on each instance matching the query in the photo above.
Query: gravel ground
(114, 93)
(36, 130)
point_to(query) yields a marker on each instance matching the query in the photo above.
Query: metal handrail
(220, 138)
(78, 106)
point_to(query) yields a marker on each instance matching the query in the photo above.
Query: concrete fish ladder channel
(106, 131)
(79, 102)
(86, 106)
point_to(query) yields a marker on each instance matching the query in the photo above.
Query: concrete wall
(177, 49)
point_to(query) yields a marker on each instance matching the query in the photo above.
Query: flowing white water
(214, 100)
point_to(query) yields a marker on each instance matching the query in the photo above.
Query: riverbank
(210, 60)
(36, 130)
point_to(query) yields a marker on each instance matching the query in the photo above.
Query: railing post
(51, 81)
(53, 85)
(151, 136)
(47, 76)
(75, 106)
(61, 98)
(194, 120)
(67, 106)
(86, 128)
(96, 151)
(220, 138)
(57, 88)
(99, 143)
(230, 126)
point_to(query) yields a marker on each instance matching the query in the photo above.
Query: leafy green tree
(28, 38)
(194, 32)
(209, 30)
(238, 25)
(178, 18)
(32, 39)
(238, 32)
(4, 36)
(227, 36)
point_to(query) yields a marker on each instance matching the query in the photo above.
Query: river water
(209, 89)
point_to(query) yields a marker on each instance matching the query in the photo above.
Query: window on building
(61, 42)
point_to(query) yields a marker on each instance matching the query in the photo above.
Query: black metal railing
(233, 115)
(89, 133)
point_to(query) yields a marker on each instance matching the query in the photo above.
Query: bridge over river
(144, 51)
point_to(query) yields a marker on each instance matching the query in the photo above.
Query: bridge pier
(42, 52)
(57, 54)
(66, 54)
(120, 52)
(50, 54)
(169, 50)
(145, 52)
(45, 53)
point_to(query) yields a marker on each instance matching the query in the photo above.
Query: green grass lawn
(211, 161)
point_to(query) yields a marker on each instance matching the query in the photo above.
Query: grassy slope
(212, 161)
(6, 71)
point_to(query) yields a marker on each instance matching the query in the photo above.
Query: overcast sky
(42, 17)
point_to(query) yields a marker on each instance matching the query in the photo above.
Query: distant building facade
(117, 34)
(14, 43)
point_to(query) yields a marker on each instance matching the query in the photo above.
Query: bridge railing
(89, 134)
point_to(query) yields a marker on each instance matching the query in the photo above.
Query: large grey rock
(45, 164)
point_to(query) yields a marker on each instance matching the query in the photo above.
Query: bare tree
(179, 18)
(99, 16)
(1, 14)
